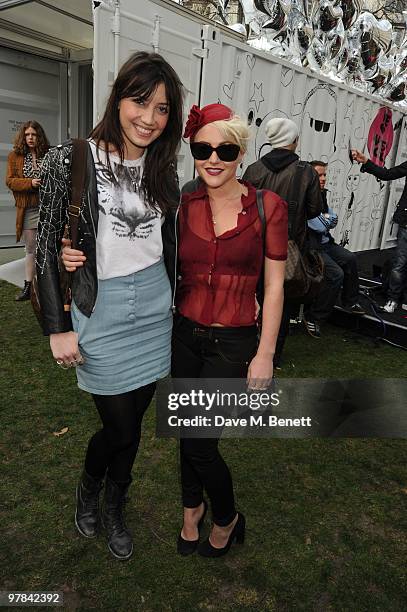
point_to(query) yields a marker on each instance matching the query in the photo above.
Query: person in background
(281, 171)
(341, 268)
(118, 333)
(397, 291)
(23, 178)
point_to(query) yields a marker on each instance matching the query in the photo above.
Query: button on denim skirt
(126, 342)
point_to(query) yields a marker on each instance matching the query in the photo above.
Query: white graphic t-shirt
(129, 233)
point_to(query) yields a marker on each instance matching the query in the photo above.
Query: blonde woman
(220, 259)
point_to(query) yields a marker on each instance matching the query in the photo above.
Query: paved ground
(7, 255)
(12, 266)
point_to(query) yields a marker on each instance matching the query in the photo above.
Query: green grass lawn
(326, 517)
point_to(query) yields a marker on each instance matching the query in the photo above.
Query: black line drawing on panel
(257, 95)
(229, 90)
(287, 75)
(251, 61)
(354, 205)
(318, 123)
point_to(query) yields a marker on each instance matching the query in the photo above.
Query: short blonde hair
(235, 130)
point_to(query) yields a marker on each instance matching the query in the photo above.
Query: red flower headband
(198, 117)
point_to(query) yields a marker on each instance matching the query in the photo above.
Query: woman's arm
(260, 370)
(55, 195)
(384, 174)
(14, 182)
(54, 199)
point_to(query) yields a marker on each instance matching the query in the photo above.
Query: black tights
(114, 447)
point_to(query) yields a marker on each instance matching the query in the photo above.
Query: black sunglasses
(225, 152)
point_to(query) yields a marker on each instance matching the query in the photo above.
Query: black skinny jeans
(209, 352)
(114, 447)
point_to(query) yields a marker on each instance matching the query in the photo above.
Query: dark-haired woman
(23, 178)
(121, 308)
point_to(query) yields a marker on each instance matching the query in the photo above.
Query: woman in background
(23, 178)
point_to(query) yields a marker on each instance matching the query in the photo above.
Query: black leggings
(114, 447)
(209, 352)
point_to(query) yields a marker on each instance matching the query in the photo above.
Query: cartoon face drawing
(353, 179)
(318, 124)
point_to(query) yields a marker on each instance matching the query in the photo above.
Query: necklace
(214, 215)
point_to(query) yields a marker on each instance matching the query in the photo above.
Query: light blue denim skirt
(126, 342)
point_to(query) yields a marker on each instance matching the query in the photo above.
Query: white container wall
(215, 65)
(31, 88)
(331, 119)
(146, 26)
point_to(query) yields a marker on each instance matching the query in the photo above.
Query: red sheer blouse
(218, 274)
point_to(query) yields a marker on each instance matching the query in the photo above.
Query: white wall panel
(177, 37)
(331, 120)
(30, 88)
(331, 117)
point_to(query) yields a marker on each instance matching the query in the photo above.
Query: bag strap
(262, 217)
(292, 195)
(260, 208)
(78, 176)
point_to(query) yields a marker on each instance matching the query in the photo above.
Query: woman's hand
(260, 372)
(358, 156)
(65, 349)
(36, 183)
(71, 258)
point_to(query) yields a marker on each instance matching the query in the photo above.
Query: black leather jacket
(276, 171)
(55, 195)
(391, 174)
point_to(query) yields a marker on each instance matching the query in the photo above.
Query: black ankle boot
(87, 505)
(119, 538)
(25, 292)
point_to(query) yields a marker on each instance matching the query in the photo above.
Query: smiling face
(31, 137)
(213, 171)
(143, 120)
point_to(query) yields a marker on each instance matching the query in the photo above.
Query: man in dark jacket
(341, 268)
(397, 291)
(281, 171)
(277, 169)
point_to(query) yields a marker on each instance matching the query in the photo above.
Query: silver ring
(62, 364)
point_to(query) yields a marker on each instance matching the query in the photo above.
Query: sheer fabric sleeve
(276, 214)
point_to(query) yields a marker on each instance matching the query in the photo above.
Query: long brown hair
(20, 144)
(139, 77)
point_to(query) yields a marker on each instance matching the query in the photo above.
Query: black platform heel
(187, 547)
(205, 549)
